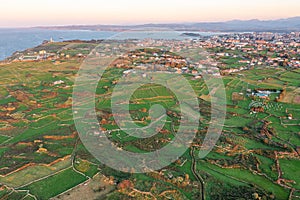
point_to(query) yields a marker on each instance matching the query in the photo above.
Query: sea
(12, 40)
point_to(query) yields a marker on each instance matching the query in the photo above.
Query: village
(233, 51)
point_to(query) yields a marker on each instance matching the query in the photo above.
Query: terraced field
(42, 156)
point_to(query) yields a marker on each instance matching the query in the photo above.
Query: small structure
(42, 150)
(58, 82)
(127, 72)
(29, 58)
(262, 95)
(258, 109)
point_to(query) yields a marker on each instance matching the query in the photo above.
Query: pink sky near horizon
(20, 13)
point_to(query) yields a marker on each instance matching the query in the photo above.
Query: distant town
(232, 52)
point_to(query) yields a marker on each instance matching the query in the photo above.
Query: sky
(27, 13)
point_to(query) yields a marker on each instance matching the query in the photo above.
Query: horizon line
(139, 24)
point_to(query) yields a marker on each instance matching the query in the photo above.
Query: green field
(56, 184)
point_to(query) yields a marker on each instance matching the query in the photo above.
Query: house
(29, 58)
(58, 82)
(127, 72)
(257, 109)
(42, 52)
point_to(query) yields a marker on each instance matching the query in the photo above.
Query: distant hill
(280, 25)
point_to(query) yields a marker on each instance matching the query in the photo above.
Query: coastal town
(232, 52)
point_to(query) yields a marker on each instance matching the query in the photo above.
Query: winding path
(197, 176)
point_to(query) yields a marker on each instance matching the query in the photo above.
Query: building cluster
(37, 56)
(256, 49)
(229, 53)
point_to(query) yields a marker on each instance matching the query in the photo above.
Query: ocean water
(12, 40)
